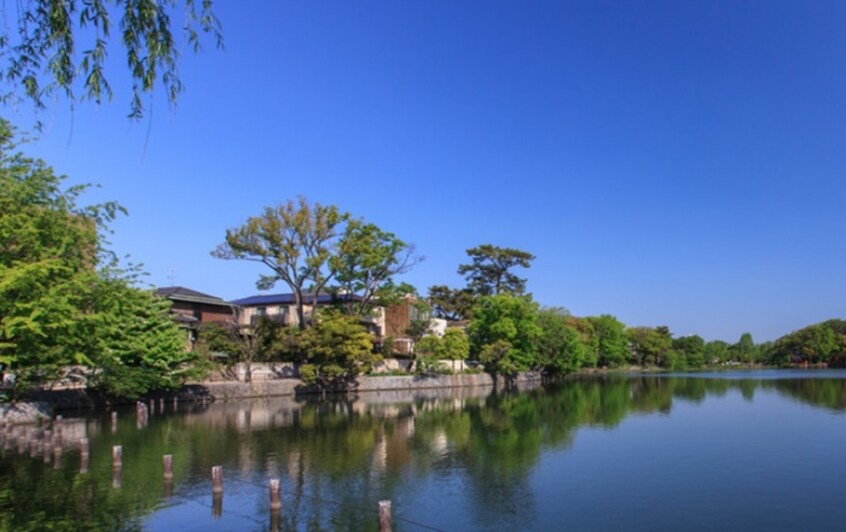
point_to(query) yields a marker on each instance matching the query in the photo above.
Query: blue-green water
(718, 451)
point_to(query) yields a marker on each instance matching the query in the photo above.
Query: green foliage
(295, 240)
(560, 348)
(388, 346)
(336, 349)
(452, 304)
(815, 344)
(241, 343)
(489, 270)
(651, 346)
(134, 345)
(745, 350)
(428, 346)
(420, 323)
(56, 307)
(42, 59)
(364, 263)
(692, 350)
(716, 352)
(454, 345)
(609, 340)
(510, 322)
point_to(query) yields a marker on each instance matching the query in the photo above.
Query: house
(282, 308)
(386, 321)
(190, 309)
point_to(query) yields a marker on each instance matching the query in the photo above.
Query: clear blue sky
(671, 163)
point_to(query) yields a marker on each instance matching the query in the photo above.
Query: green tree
(63, 300)
(745, 350)
(559, 345)
(716, 352)
(650, 346)
(452, 304)
(815, 344)
(505, 319)
(42, 58)
(295, 240)
(610, 340)
(692, 349)
(133, 344)
(489, 272)
(454, 345)
(365, 262)
(337, 349)
(242, 343)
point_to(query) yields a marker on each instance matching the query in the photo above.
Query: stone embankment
(281, 387)
(44, 403)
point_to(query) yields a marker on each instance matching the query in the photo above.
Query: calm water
(727, 451)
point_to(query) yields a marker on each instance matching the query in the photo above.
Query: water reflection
(336, 458)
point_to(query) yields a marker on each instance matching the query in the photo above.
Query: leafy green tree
(134, 345)
(242, 343)
(365, 262)
(692, 349)
(295, 240)
(454, 345)
(337, 349)
(610, 340)
(505, 319)
(41, 59)
(745, 350)
(63, 300)
(489, 272)
(650, 346)
(716, 352)
(452, 304)
(821, 343)
(559, 345)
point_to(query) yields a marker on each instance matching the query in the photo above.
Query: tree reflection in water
(338, 457)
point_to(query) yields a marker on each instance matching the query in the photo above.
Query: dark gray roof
(180, 293)
(288, 299)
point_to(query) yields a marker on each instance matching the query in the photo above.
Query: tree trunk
(298, 300)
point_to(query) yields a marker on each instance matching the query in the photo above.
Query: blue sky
(671, 163)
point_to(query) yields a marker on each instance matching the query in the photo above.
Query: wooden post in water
(161, 406)
(114, 422)
(217, 491)
(275, 495)
(117, 465)
(385, 516)
(217, 505)
(83, 455)
(217, 479)
(167, 466)
(275, 505)
(167, 463)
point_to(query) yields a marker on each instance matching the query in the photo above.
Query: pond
(713, 451)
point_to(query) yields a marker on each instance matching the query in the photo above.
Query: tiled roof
(288, 299)
(180, 293)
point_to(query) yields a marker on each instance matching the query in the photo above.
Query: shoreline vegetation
(66, 301)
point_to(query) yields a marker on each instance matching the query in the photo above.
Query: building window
(261, 311)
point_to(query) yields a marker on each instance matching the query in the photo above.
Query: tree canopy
(63, 299)
(60, 47)
(489, 272)
(295, 240)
